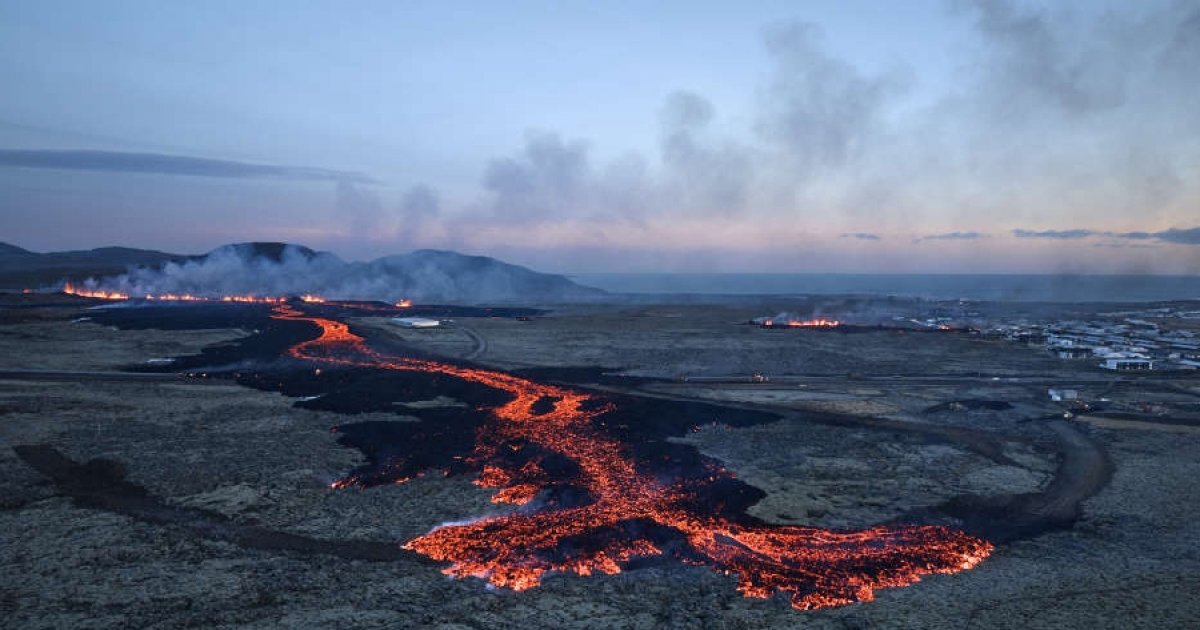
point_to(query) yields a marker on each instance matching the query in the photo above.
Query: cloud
(817, 114)
(553, 179)
(1119, 245)
(419, 212)
(1035, 63)
(952, 236)
(1051, 116)
(548, 176)
(1090, 113)
(1180, 236)
(820, 110)
(162, 164)
(1056, 234)
(703, 174)
(359, 210)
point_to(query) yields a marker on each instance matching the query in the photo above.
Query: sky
(819, 136)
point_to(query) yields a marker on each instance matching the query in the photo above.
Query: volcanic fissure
(599, 507)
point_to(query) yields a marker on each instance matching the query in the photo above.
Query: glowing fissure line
(307, 298)
(816, 567)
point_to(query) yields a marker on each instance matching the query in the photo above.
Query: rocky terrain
(209, 503)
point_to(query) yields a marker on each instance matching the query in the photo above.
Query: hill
(21, 268)
(457, 277)
(12, 250)
(266, 268)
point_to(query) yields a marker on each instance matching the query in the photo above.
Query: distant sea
(995, 287)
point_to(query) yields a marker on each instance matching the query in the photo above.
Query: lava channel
(630, 514)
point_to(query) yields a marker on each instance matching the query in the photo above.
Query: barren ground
(1130, 560)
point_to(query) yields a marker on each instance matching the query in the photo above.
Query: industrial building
(416, 322)
(1059, 395)
(1127, 361)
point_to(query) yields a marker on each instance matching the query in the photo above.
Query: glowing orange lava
(807, 323)
(176, 297)
(819, 322)
(71, 289)
(253, 299)
(100, 295)
(816, 567)
(307, 298)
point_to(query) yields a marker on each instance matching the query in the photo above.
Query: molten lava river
(626, 513)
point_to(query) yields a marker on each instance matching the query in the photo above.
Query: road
(481, 344)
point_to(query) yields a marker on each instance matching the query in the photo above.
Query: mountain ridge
(287, 268)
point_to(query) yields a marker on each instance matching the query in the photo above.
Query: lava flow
(629, 513)
(307, 298)
(101, 294)
(819, 322)
(70, 289)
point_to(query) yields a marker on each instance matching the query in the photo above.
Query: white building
(415, 322)
(1059, 395)
(1055, 341)
(1081, 352)
(1127, 361)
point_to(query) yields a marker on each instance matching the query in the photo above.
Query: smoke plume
(266, 269)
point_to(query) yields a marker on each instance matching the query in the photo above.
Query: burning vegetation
(590, 504)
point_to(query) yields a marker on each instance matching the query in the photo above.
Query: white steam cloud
(288, 270)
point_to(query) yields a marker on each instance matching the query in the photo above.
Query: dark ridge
(100, 484)
(480, 278)
(265, 250)
(123, 256)
(129, 253)
(21, 269)
(12, 250)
